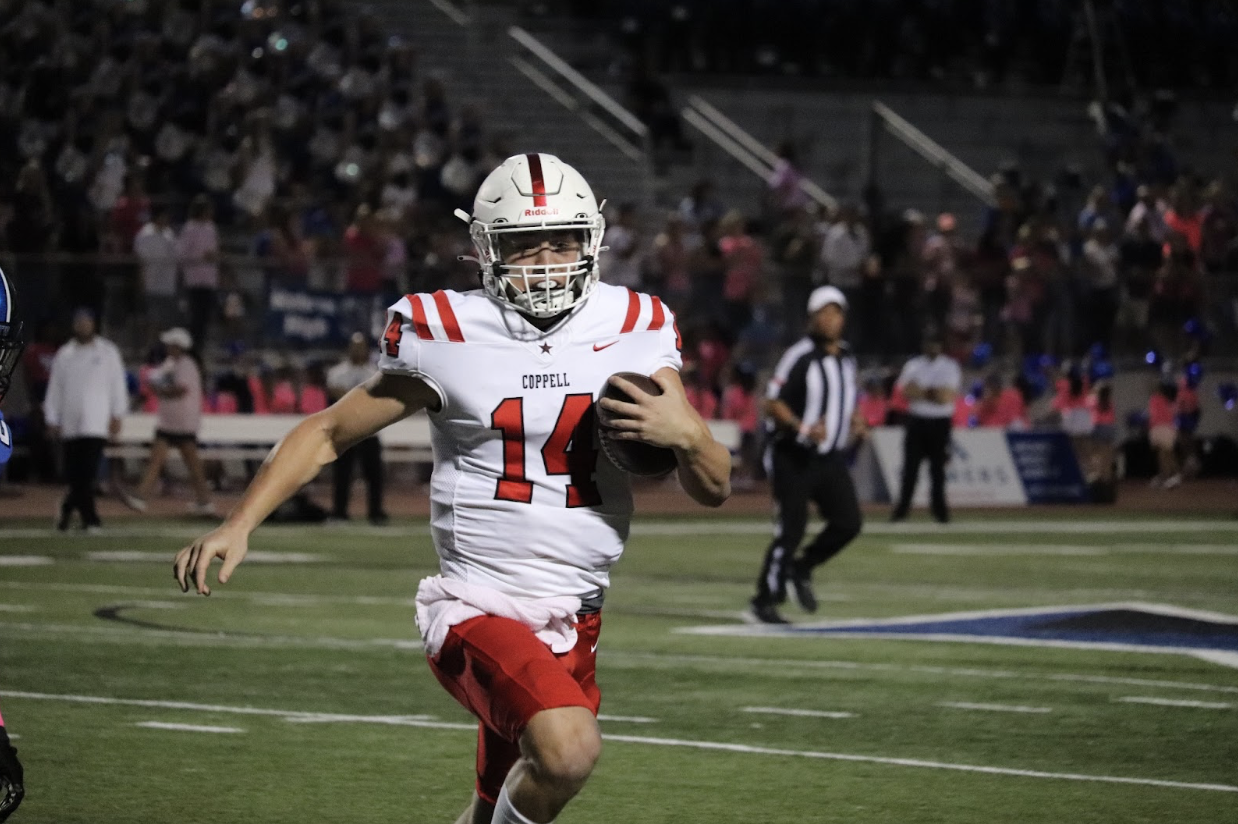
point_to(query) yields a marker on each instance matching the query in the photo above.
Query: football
(633, 457)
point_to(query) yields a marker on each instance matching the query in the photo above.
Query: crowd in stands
(299, 122)
(955, 43)
(165, 149)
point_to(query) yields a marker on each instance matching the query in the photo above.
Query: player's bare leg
(558, 750)
(197, 473)
(154, 465)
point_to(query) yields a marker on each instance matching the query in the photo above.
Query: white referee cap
(823, 296)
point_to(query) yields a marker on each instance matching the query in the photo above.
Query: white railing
(743, 147)
(932, 152)
(585, 86)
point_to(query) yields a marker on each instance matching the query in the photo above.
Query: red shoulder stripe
(448, 317)
(419, 318)
(629, 322)
(658, 316)
(539, 180)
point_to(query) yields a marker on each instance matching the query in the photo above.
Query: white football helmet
(535, 193)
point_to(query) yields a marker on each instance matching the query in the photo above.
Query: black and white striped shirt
(817, 386)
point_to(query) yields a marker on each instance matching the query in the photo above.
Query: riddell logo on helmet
(544, 212)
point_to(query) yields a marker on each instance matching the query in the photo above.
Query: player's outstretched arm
(295, 461)
(669, 420)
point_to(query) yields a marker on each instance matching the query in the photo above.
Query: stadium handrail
(742, 146)
(933, 152)
(582, 83)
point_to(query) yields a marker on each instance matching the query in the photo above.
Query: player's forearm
(294, 462)
(705, 469)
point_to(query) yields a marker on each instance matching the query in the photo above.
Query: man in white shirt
(86, 397)
(351, 372)
(155, 246)
(197, 248)
(931, 382)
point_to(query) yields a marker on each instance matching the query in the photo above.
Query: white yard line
(987, 550)
(915, 762)
(628, 719)
(720, 526)
(140, 635)
(798, 713)
(782, 664)
(151, 556)
(26, 560)
(716, 746)
(161, 725)
(965, 705)
(1174, 702)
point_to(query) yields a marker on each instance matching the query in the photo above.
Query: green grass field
(298, 692)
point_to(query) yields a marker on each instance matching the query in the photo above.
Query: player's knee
(851, 527)
(563, 745)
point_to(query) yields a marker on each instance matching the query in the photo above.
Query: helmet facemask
(539, 290)
(11, 346)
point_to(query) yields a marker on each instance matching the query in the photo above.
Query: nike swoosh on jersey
(593, 648)
(597, 348)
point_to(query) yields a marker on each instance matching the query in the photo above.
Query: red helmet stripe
(448, 317)
(539, 182)
(629, 322)
(419, 318)
(658, 317)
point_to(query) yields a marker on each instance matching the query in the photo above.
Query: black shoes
(801, 585)
(766, 613)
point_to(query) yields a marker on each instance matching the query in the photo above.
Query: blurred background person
(197, 248)
(155, 247)
(353, 370)
(86, 398)
(930, 382)
(177, 383)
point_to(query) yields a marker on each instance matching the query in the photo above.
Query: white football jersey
(522, 499)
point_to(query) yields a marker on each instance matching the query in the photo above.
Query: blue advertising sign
(322, 318)
(1047, 465)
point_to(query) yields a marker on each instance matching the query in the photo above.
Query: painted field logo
(546, 212)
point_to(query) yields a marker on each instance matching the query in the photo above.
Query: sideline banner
(1049, 467)
(980, 471)
(322, 318)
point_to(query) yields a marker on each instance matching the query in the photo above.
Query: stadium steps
(475, 63)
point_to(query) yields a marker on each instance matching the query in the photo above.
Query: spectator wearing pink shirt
(740, 404)
(197, 249)
(178, 385)
(743, 261)
(1163, 435)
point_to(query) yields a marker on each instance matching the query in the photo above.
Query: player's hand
(113, 428)
(53, 432)
(12, 789)
(816, 433)
(227, 543)
(665, 420)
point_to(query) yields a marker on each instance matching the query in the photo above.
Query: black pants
(201, 300)
(81, 468)
(925, 438)
(370, 453)
(800, 476)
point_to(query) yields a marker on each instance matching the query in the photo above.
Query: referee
(810, 409)
(931, 382)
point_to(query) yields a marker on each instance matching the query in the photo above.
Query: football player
(526, 519)
(11, 345)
